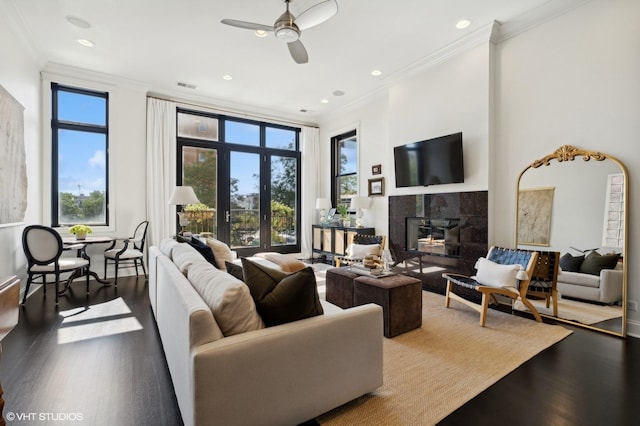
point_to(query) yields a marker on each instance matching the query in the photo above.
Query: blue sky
(81, 155)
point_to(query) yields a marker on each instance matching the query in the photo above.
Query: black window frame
(56, 125)
(335, 165)
(224, 149)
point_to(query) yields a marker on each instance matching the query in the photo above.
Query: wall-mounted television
(430, 162)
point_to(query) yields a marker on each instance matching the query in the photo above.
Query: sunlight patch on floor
(94, 321)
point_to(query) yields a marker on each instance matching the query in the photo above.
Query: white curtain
(161, 168)
(310, 155)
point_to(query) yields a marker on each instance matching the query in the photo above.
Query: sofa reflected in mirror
(585, 220)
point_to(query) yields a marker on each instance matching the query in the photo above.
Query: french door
(249, 195)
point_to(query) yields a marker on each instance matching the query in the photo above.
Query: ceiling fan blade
(247, 25)
(298, 52)
(317, 14)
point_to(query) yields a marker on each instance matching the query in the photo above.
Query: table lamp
(183, 195)
(357, 204)
(323, 204)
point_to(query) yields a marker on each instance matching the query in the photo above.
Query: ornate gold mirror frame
(567, 154)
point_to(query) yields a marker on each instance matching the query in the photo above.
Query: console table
(330, 241)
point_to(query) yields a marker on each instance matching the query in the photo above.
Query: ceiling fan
(288, 28)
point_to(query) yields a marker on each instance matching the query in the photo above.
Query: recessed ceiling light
(338, 93)
(260, 33)
(86, 43)
(227, 77)
(325, 101)
(78, 22)
(462, 24)
(376, 73)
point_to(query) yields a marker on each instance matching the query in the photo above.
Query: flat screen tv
(431, 162)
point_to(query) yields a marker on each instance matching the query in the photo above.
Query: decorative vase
(81, 236)
(346, 222)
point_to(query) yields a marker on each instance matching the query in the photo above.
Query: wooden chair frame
(489, 293)
(546, 271)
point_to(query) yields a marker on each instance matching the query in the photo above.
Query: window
(247, 179)
(613, 231)
(344, 168)
(80, 134)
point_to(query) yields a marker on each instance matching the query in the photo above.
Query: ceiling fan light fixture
(287, 32)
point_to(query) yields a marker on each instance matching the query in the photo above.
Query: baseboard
(633, 328)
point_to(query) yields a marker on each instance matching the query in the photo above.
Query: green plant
(80, 229)
(343, 211)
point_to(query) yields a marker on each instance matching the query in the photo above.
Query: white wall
(127, 152)
(573, 80)
(19, 75)
(451, 97)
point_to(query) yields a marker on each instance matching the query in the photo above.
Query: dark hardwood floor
(99, 357)
(95, 358)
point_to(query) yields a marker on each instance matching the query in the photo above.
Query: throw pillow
(286, 263)
(229, 299)
(595, 262)
(183, 239)
(359, 251)
(495, 274)
(235, 270)
(569, 263)
(204, 250)
(221, 252)
(282, 297)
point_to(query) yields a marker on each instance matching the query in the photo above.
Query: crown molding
(55, 70)
(494, 32)
(535, 17)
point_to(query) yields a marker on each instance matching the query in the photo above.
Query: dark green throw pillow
(282, 297)
(235, 270)
(595, 262)
(570, 263)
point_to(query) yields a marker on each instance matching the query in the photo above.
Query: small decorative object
(80, 231)
(376, 186)
(376, 170)
(386, 259)
(344, 214)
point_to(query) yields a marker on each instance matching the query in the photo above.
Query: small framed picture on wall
(376, 187)
(376, 170)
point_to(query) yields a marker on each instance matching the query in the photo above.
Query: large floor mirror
(575, 202)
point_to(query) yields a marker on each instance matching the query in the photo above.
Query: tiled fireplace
(451, 229)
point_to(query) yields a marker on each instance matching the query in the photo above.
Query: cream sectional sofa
(281, 375)
(604, 288)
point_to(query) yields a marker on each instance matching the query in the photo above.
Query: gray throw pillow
(282, 297)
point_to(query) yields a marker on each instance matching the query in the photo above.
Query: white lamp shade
(359, 203)
(323, 203)
(182, 196)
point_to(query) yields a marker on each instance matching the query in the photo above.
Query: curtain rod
(231, 112)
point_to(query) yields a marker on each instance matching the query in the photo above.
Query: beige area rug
(432, 371)
(584, 313)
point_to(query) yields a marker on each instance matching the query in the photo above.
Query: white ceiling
(162, 42)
